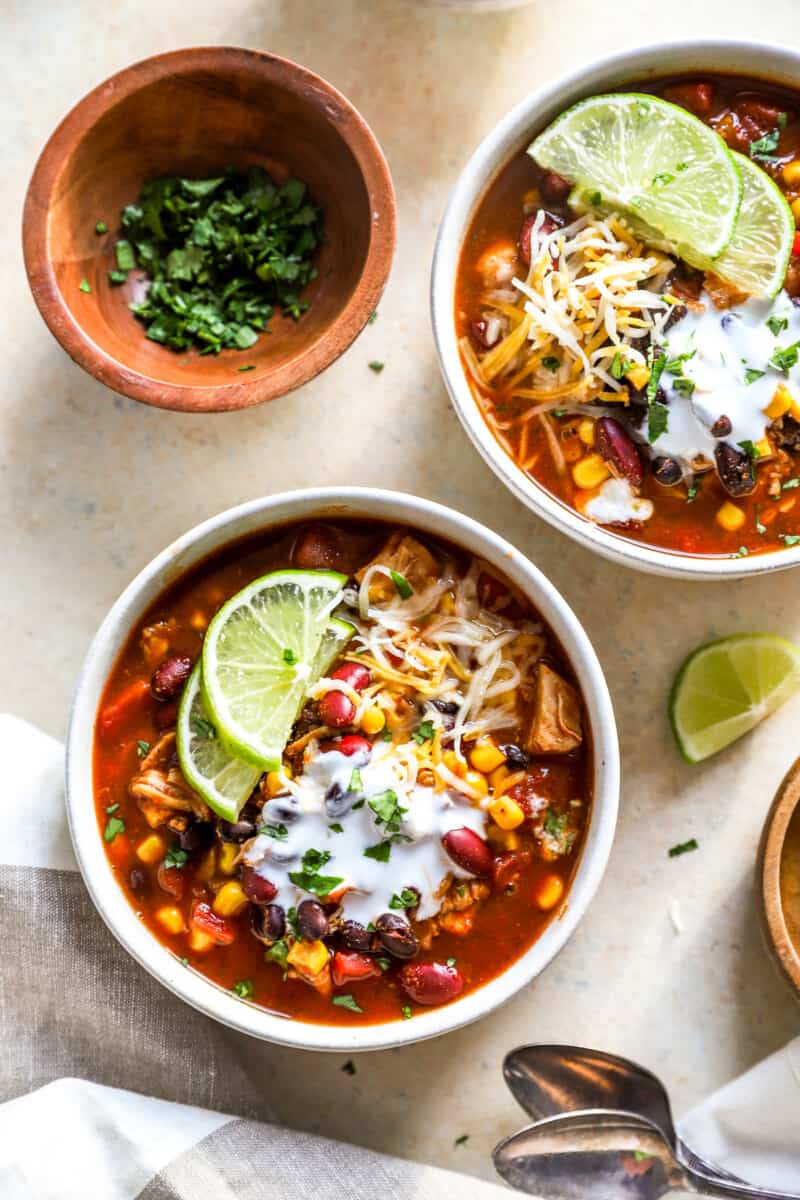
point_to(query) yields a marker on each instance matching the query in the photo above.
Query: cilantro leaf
(424, 733)
(279, 832)
(176, 857)
(114, 825)
(244, 988)
(777, 325)
(347, 1002)
(684, 848)
(762, 148)
(309, 879)
(751, 374)
(406, 899)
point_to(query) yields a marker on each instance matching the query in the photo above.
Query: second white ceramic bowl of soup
(513, 134)
(260, 516)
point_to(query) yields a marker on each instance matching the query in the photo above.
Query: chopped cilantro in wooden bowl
(257, 229)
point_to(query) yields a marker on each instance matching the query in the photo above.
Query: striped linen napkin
(80, 1021)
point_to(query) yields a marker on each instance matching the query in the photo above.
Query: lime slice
(262, 652)
(757, 255)
(724, 689)
(223, 781)
(643, 155)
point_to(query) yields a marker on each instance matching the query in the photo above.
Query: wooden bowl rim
(333, 341)
(773, 920)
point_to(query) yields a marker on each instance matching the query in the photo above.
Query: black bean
(137, 879)
(356, 937)
(677, 313)
(448, 707)
(394, 934)
(236, 831)
(667, 471)
(312, 921)
(284, 812)
(722, 427)
(268, 922)
(199, 833)
(516, 757)
(735, 469)
(338, 801)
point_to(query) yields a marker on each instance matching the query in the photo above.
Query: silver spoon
(548, 1080)
(602, 1155)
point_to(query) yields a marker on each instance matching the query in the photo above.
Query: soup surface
(716, 472)
(426, 817)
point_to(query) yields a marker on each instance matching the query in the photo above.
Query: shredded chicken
(556, 725)
(160, 788)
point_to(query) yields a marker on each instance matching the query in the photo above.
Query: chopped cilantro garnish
(117, 278)
(406, 899)
(221, 255)
(349, 1067)
(783, 119)
(777, 325)
(244, 988)
(691, 491)
(309, 878)
(424, 733)
(742, 552)
(451, 962)
(279, 832)
(789, 539)
(289, 657)
(100, 228)
(595, 198)
(84, 286)
(761, 529)
(372, 318)
(376, 366)
(551, 362)
(387, 809)
(142, 748)
(684, 386)
(336, 827)
(383, 963)
(785, 359)
(620, 366)
(347, 1002)
(674, 366)
(277, 953)
(247, 367)
(404, 588)
(751, 374)
(788, 484)
(460, 1141)
(750, 449)
(114, 825)
(386, 734)
(684, 848)
(356, 783)
(762, 148)
(176, 857)
(641, 1156)
(406, 1011)
(112, 808)
(657, 411)
(381, 852)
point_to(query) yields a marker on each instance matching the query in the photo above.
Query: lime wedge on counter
(727, 687)
(758, 254)
(635, 153)
(262, 652)
(224, 782)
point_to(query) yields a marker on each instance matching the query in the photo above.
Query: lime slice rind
(262, 653)
(645, 156)
(727, 687)
(224, 782)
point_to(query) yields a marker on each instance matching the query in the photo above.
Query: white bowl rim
(191, 548)
(497, 148)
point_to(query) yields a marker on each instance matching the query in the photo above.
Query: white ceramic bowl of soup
(259, 516)
(774, 64)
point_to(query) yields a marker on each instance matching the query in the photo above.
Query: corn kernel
(780, 403)
(151, 850)
(506, 812)
(171, 918)
(228, 854)
(230, 899)
(586, 431)
(638, 376)
(730, 517)
(502, 839)
(208, 866)
(486, 755)
(199, 621)
(791, 173)
(200, 942)
(308, 957)
(275, 781)
(548, 892)
(373, 720)
(477, 782)
(764, 448)
(590, 472)
(795, 207)
(454, 763)
(498, 776)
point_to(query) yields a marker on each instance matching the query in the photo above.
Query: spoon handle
(707, 1185)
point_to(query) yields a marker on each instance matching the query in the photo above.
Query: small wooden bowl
(778, 877)
(192, 112)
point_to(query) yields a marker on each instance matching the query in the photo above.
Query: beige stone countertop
(93, 485)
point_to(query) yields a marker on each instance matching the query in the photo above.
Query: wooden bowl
(192, 112)
(778, 878)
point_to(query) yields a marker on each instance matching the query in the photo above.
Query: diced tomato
(796, 243)
(205, 919)
(130, 704)
(349, 967)
(696, 97)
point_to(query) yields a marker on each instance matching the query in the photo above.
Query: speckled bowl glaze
(260, 515)
(776, 64)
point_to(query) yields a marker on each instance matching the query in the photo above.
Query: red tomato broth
(505, 925)
(741, 110)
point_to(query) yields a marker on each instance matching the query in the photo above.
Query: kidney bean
(199, 833)
(337, 710)
(722, 427)
(667, 471)
(206, 920)
(431, 983)
(356, 674)
(237, 831)
(516, 758)
(317, 546)
(555, 188)
(356, 937)
(348, 967)
(735, 470)
(256, 887)
(353, 743)
(549, 225)
(172, 880)
(268, 923)
(394, 934)
(618, 449)
(312, 921)
(166, 714)
(167, 680)
(469, 851)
